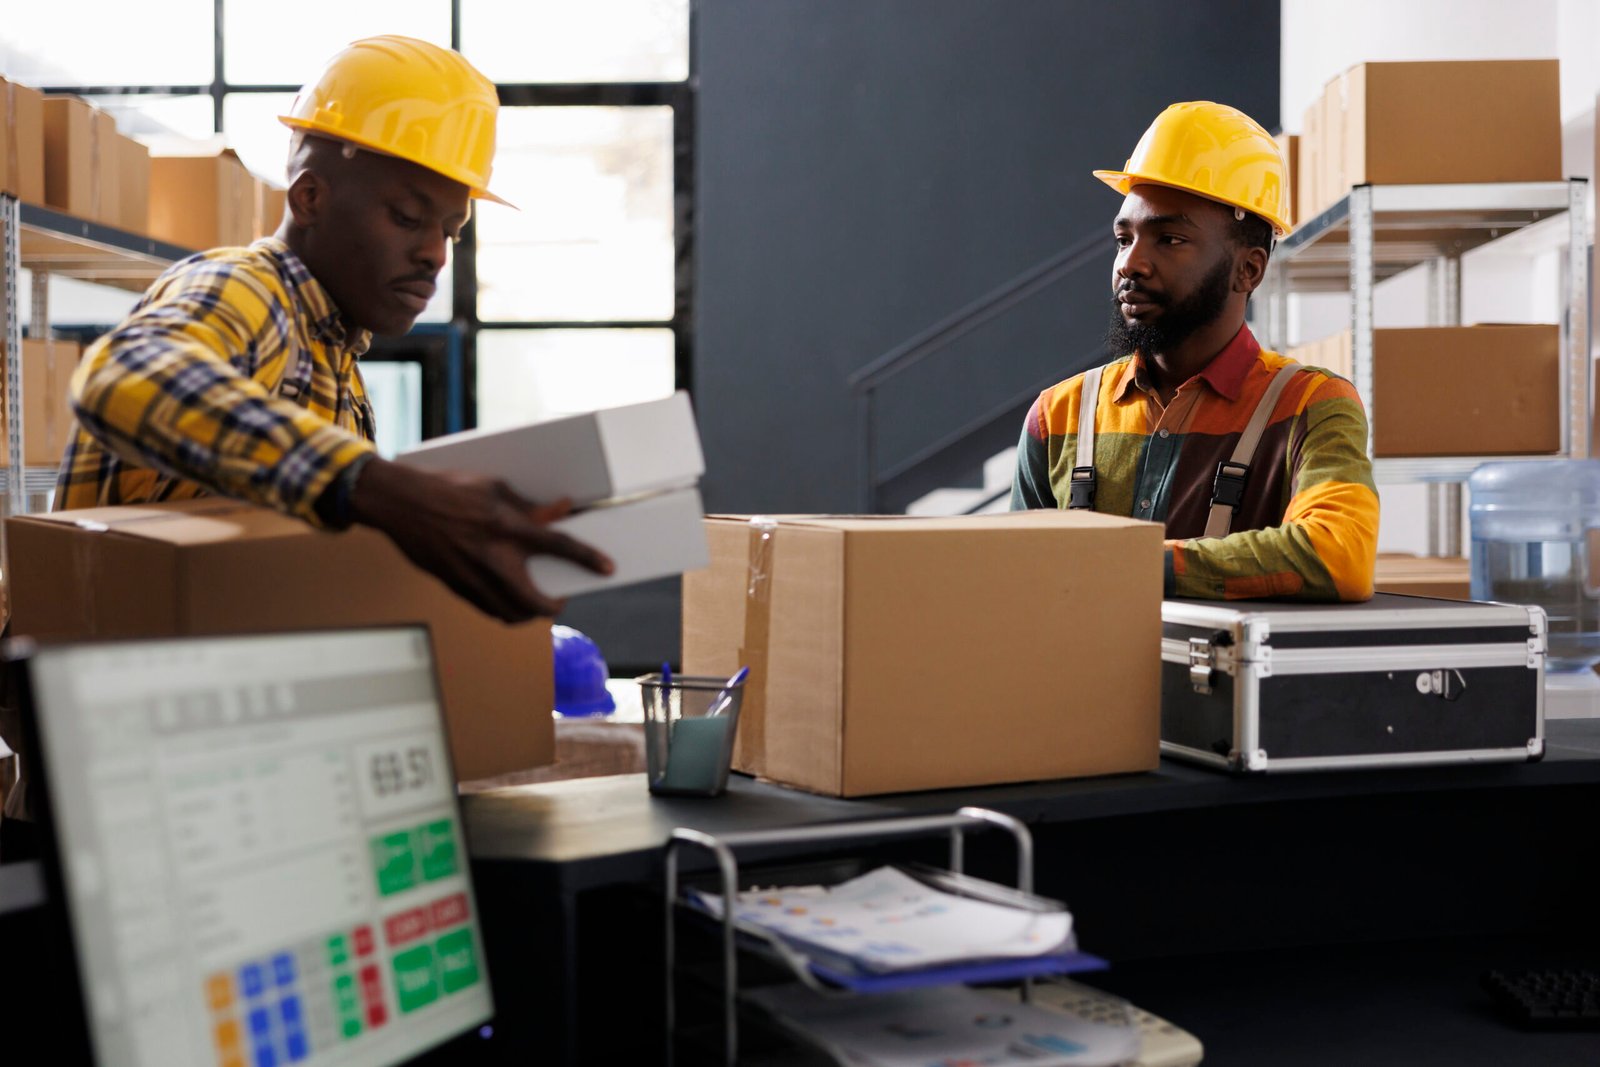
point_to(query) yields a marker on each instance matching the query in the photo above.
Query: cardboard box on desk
(629, 471)
(891, 653)
(22, 142)
(219, 566)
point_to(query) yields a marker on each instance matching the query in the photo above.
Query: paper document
(888, 921)
(945, 1025)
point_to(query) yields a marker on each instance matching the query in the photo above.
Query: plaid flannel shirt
(233, 375)
(1307, 527)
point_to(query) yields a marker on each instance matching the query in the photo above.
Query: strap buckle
(1082, 488)
(1227, 488)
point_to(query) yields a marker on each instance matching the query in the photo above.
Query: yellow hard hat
(1214, 151)
(406, 98)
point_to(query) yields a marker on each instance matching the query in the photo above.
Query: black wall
(866, 167)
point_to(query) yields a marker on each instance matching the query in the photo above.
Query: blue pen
(666, 681)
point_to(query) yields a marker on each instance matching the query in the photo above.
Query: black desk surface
(609, 831)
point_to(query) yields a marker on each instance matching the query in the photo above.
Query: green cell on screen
(458, 964)
(347, 1005)
(395, 862)
(413, 978)
(436, 844)
(338, 950)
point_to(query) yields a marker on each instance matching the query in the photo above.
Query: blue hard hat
(581, 674)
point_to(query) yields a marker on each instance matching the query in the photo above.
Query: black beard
(1177, 322)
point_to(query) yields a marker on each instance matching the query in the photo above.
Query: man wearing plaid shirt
(237, 373)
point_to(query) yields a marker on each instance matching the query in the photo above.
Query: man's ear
(1249, 270)
(307, 197)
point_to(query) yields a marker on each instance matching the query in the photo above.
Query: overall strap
(1083, 481)
(1227, 490)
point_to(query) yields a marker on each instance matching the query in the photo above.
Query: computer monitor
(258, 847)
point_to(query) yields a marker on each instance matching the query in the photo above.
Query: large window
(578, 299)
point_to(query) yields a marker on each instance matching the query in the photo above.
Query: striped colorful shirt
(1307, 527)
(234, 374)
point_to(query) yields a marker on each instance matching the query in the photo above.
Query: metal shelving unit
(47, 243)
(1377, 231)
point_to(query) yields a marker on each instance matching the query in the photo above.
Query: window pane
(395, 389)
(593, 238)
(156, 118)
(287, 42)
(94, 42)
(525, 375)
(587, 41)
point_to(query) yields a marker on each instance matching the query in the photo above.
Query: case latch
(1202, 664)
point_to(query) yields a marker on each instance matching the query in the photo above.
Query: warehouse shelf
(48, 242)
(1375, 232)
(1411, 225)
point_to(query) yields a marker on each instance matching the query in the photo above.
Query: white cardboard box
(630, 473)
(653, 536)
(600, 455)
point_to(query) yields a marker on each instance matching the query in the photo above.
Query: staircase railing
(868, 382)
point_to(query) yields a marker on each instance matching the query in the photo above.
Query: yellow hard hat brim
(478, 193)
(1123, 182)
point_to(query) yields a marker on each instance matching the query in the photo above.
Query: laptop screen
(260, 848)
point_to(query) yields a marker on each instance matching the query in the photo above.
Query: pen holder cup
(687, 749)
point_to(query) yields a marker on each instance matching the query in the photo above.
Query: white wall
(1515, 283)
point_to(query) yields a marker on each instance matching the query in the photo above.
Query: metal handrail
(865, 383)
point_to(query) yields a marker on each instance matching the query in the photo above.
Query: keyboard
(1552, 999)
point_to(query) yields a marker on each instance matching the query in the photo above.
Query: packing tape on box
(752, 739)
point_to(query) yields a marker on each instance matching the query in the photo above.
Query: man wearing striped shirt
(238, 374)
(1295, 514)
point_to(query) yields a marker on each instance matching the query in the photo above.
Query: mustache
(1127, 289)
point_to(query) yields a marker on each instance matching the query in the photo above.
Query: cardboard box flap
(208, 520)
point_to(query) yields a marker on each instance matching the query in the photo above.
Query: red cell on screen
(449, 911)
(406, 926)
(371, 985)
(363, 940)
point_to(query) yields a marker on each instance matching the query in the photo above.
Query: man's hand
(472, 533)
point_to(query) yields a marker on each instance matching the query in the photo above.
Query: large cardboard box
(1333, 183)
(47, 420)
(893, 653)
(201, 202)
(217, 566)
(133, 186)
(269, 205)
(1466, 390)
(1447, 121)
(630, 473)
(22, 142)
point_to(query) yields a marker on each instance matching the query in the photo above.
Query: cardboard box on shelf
(893, 653)
(201, 202)
(1446, 577)
(269, 205)
(70, 133)
(1466, 390)
(1446, 121)
(47, 420)
(133, 186)
(22, 142)
(217, 566)
(1332, 183)
(629, 472)
(1289, 145)
(1308, 191)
